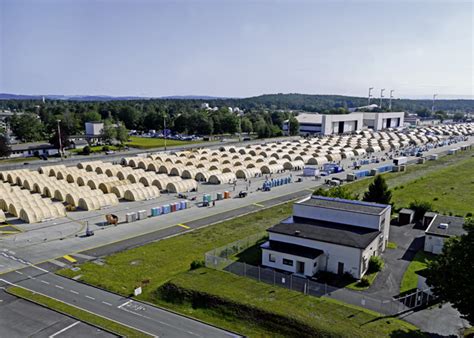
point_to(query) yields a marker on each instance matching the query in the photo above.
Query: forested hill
(305, 102)
(321, 103)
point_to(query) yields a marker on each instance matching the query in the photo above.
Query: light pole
(59, 139)
(390, 101)
(164, 129)
(433, 105)
(381, 96)
(370, 95)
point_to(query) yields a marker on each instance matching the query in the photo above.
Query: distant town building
(383, 120)
(33, 149)
(94, 129)
(328, 234)
(325, 124)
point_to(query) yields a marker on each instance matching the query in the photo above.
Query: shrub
(105, 148)
(364, 282)
(435, 199)
(86, 150)
(375, 264)
(469, 214)
(420, 208)
(196, 264)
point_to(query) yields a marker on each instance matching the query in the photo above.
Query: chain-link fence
(222, 259)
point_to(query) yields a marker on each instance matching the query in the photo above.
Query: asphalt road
(141, 316)
(20, 318)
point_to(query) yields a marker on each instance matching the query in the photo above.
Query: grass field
(446, 183)
(150, 142)
(18, 159)
(277, 309)
(410, 278)
(77, 313)
(162, 260)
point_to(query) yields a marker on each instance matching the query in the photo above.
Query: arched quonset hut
(148, 179)
(119, 190)
(293, 165)
(271, 168)
(190, 173)
(182, 186)
(177, 170)
(204, 175)
(222, 178)
(161, 183)
(141, 194)
(106, 187)
(39, 214)
(98, 202)
(72, 198)
(246, 173)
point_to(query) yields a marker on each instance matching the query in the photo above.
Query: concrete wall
(94, 128)
(371, 250)
(330, 123)
(434, 244)
(309, 268)
(340, 216)
(378, 121)
(333, 254)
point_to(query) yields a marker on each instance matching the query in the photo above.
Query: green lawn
(18, 159)
(410, 278)
(150, 142)
(392, 245)
(210, 293)
(446, 183)
(77, 313)
(95, 149)
(356, 285)
(162, 260)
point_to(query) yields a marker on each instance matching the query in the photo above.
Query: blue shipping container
(166, 209)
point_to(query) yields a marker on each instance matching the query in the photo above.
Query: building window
(288, 262)
(315, 264)
(272, 258)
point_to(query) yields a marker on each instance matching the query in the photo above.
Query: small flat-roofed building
(384, 120)
(327, 124)
(328, 234)
(440, 229)
(405, 216)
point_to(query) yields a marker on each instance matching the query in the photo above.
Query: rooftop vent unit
(443, 225)
(297, 232)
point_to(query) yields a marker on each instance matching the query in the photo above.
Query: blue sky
(236, 48)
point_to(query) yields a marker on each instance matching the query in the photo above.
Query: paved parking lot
(20, 318)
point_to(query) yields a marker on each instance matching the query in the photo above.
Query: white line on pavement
(45, 282)
(74, 292)
(90, 297)
(63, 330)
(19, 272)
(126, 303)
(107, 303)
(59, 287)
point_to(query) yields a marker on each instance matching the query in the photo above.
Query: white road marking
(90, 297)
(74, 292)
(19, 272)
(63, 330)
(45, 282)
(59, 287)
(126, 303)
(107, 303)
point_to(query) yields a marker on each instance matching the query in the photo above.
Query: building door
(340, 268)
(341, 127)
(300, 267)
(389, 123)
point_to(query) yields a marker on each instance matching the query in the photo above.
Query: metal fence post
(259, 273)
(325, 288)
(291, 282)
(245, 269)
(274, 278)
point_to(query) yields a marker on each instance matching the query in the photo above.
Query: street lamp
(370, 95)
(164, 129)
(59, 139)
(381, 96)
(433, 105)
(390, 101)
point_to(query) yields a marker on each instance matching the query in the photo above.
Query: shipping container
(142, 214)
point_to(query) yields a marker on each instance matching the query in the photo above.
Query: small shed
(406, 216)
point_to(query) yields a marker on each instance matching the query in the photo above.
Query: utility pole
(164, 129)
(433, 105)
(381, 96)
(370, 95)
(59, 139)
(390, 101)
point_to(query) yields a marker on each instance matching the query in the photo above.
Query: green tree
(452, 272)
(378, 191)
(27, 127)
(246, 125)
(5, 149)
(109, 132)
(420, 208)
(294, 126)
(336, 192)
(121, 134)
(91, 116)
(458, 117)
